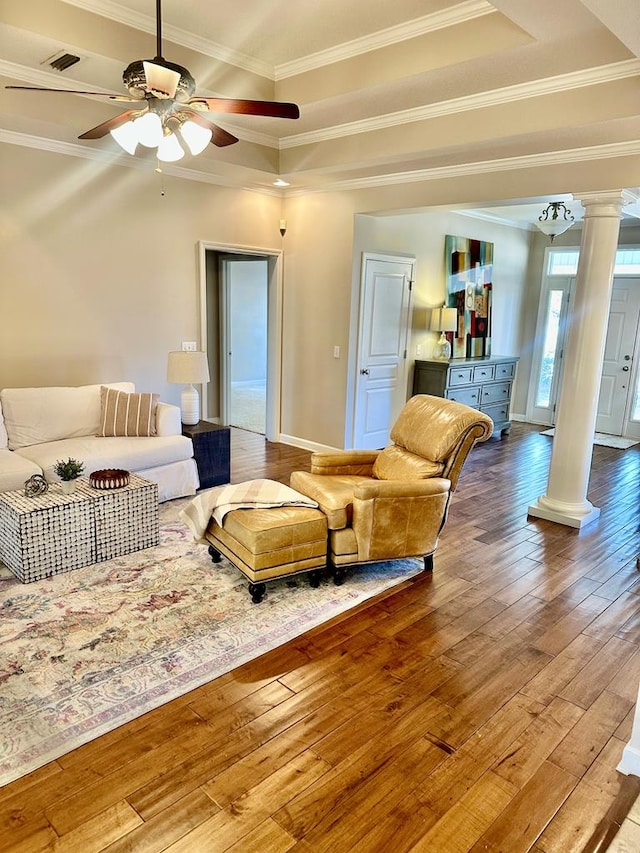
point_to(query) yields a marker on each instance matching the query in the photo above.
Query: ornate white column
(565, 500)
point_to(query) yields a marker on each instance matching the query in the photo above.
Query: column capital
(609, 202)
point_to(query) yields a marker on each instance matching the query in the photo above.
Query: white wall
(99, 273)
(99, 278)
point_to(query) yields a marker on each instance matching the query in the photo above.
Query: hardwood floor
(481, 708)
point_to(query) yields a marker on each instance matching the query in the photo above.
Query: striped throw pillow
(127, 414)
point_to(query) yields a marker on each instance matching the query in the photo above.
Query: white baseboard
(630, 763)
(303, 444)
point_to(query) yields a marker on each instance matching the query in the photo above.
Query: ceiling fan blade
(75, 92)
(250, 108)
(102, 129)
(220, 137)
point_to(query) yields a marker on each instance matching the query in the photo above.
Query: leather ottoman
(271, 543)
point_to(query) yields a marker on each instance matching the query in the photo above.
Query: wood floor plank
(97, 833)
(560, 670)
(157, 833)
(462, 825)
(233, 823)
(587, 685)
(519, 825)
(482, 707)
(538, 742)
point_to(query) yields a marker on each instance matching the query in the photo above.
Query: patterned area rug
(86, 651)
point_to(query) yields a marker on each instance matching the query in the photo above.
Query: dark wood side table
(212, 452)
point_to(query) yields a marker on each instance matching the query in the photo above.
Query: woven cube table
(53, 533)
(271, 543)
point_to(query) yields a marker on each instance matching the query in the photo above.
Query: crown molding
(551, 158)
(145, 23)
(71, 149)
(495, 219)
(507, 94)
(466, 11)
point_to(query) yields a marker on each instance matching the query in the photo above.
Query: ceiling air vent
(62, 61)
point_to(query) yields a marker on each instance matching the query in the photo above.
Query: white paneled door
(381, 381)
(618, 374)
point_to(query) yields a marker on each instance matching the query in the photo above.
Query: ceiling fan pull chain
(161, 173)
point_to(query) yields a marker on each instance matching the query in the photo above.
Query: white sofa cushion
(4, 438)
(14, 470)
(132, 454)
(38, 415)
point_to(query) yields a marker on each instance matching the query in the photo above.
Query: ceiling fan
(165, 93)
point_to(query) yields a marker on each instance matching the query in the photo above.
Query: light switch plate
(189, 346)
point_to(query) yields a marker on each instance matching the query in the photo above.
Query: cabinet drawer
(495, 392)
(499, 414)
(460, 376)
(484, 374)
(468, 396)
(506, 371)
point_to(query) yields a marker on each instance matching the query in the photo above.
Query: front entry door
(617, 369)
(381, 382)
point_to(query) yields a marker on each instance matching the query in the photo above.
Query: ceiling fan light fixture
(126, 136)
(160, 80)
(195, 136)
(170, 149)
(149, 130)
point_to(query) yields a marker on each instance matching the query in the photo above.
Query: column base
(571, 515)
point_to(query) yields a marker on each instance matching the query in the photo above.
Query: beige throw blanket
(253, 494)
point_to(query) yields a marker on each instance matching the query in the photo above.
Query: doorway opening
(241, 309)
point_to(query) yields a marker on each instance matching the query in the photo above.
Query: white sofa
(39, 426)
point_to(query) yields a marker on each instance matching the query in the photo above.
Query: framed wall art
(469, 272)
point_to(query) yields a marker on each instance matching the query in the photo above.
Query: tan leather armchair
(392, 503)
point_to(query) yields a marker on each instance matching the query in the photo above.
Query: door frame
(566, 282)
(274, 323)
(357, 307)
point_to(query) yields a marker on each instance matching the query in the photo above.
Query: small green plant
(68, 469)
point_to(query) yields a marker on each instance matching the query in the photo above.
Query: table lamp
(443, 320)
(185, 368)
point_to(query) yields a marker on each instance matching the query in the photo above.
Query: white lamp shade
(187, 367)
(149, 130)
(170, 149)
(444, 319)
(126, 137)
(195, 136)
(554, 227)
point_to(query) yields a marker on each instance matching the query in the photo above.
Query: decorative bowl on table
(109, 478)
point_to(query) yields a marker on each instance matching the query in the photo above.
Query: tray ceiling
(387, 91)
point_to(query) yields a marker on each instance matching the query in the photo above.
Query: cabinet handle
(364, 371)
(505, 390)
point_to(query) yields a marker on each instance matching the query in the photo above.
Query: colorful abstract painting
(469, 271)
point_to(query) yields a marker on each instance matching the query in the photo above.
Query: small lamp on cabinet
(187, 368)
(443, 320)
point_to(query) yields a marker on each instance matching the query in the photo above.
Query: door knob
(626, 367)
(627, 358)
(364, 371)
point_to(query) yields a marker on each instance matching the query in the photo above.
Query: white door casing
(381, 364)
(274, 320)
